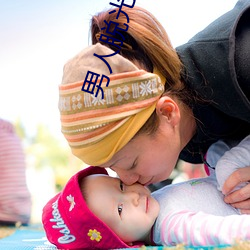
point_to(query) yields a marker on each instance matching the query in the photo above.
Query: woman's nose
(126, 177)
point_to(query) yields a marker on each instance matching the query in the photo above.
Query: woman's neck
(187, 125)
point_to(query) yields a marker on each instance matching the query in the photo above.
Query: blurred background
(36, 39)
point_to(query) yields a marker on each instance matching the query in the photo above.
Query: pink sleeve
(201, 229)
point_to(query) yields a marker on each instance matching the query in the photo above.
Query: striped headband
(97, 128)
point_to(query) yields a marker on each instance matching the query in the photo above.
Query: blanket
(33, 237)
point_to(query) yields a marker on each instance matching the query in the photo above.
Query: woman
(206, 96)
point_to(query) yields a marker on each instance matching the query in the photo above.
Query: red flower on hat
(94, 235)
(72, 203)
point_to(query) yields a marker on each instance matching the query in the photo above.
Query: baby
(96, 211)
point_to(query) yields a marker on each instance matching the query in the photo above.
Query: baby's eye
(121, 186)
(120, 206)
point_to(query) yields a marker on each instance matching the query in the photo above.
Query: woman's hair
(146, 42)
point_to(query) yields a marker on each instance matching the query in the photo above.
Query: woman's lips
(148, 183)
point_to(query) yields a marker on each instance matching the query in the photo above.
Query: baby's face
(130, 211)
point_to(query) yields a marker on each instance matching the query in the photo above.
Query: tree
(45, 150)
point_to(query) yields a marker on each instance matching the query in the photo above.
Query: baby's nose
(133, 197)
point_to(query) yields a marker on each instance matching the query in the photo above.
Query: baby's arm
(214, 153)
(237, 157)
(201, 229)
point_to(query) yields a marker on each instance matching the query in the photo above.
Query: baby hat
(95, 127)
(69, 223)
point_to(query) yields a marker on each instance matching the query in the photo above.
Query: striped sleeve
(15, 200)
(201, 229)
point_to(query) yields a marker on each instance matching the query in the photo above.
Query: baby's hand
(240, 198)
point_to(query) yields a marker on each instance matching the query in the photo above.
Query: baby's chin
(153, 209)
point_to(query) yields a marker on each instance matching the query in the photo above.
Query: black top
(217, 67)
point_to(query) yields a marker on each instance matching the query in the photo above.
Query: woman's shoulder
(209, 65)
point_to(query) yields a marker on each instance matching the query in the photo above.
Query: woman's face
(148, 159)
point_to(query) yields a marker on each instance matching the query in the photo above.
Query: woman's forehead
(128, 153)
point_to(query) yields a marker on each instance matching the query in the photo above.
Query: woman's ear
(168, 110)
